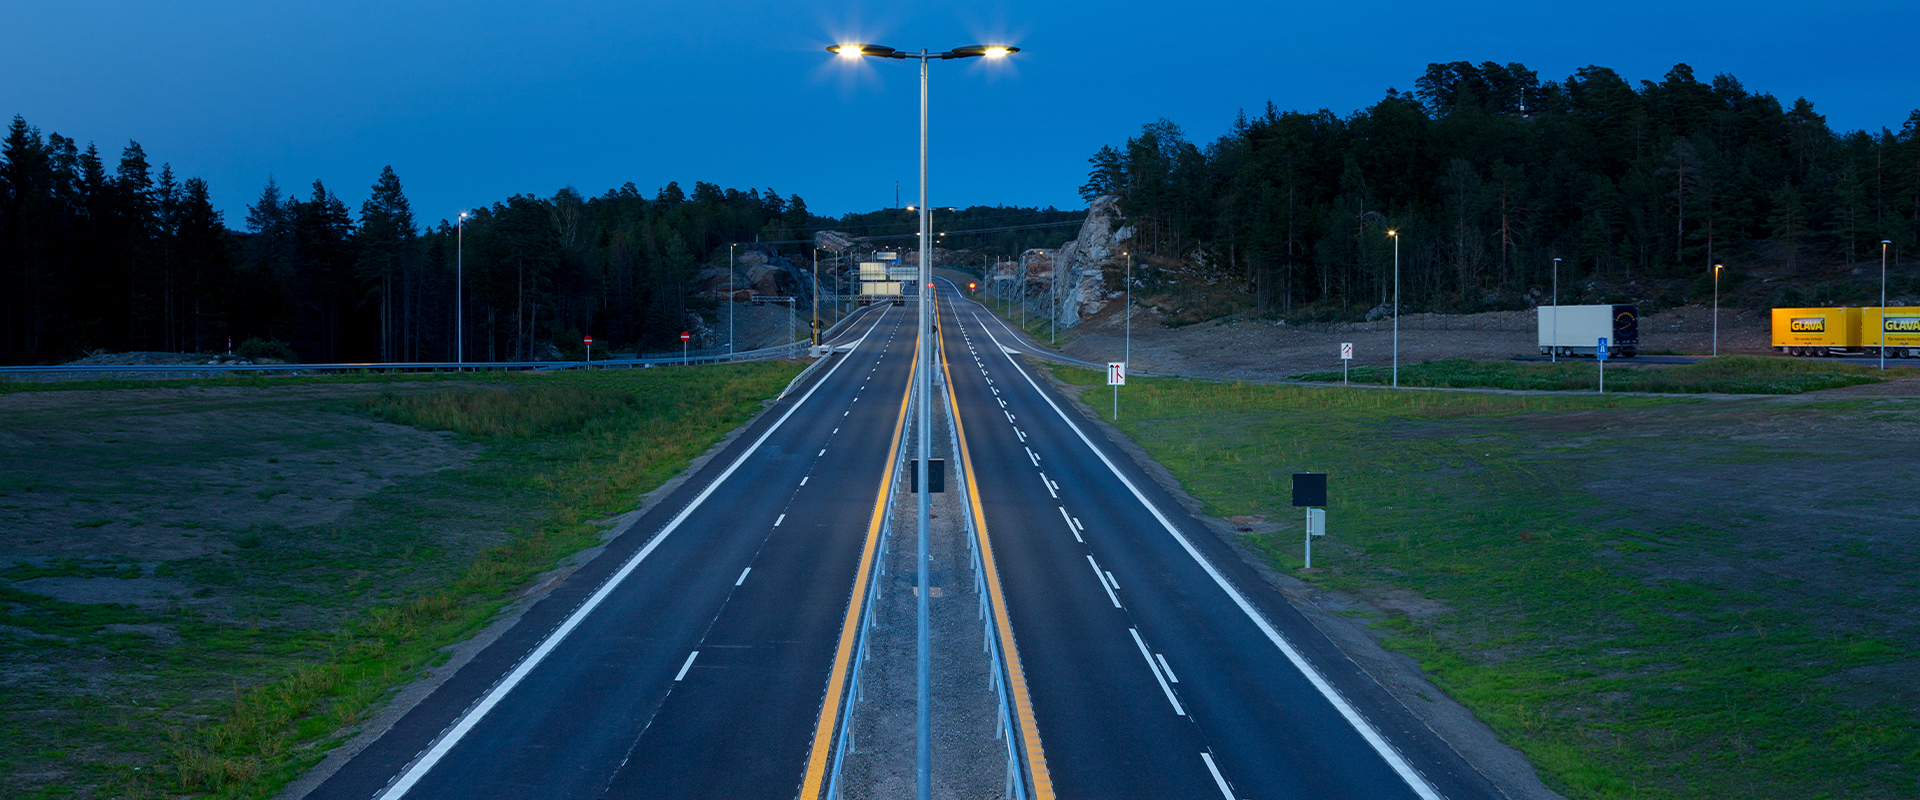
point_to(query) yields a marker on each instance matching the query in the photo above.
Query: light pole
(922, 387)
(1884, 243)
(816, 297)
(1716, 309)
(459, 291)
(1553, 346)
(1396, 307)
(1127, 354)
(730, 270)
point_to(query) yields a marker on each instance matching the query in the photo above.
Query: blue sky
(471, 103)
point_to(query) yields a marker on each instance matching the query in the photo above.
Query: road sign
(1346, 351)
(1309, 488)
(1116, 373)
(685, 336)
(1601, 351)
(588, 340)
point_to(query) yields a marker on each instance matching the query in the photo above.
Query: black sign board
(1310, 489)
(936, 474)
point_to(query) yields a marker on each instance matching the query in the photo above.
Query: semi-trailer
(1848, 331)
(1577, 330)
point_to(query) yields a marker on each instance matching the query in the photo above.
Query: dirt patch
(1264, 350)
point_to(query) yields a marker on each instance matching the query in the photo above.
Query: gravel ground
(1263, 350)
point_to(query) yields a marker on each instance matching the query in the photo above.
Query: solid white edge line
(1168, 669)
(743, 576)
(445, 744)
(1218, 779)
(1155, 670)
(687, 666)
(1395, 761)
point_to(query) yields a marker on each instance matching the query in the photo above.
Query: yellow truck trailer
(1899, 324)
(1816, 331)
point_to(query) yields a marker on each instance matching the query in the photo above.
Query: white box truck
(1577, 330)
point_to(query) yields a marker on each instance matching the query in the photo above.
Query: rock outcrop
(1084, 262)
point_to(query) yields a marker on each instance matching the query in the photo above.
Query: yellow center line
(815, 780)
(1038, 777)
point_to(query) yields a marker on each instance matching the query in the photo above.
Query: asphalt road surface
(1158, 663)
(691, 658)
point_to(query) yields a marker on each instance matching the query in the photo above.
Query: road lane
(1152, 669)
(755, 579)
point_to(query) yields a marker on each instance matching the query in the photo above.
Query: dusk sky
(473, 102)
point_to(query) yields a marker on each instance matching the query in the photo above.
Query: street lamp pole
(816, 297)
(1396, 307)
(923, 401)
(1127, 354)
(1884, 243)
(1716, 309)
(1553, 347)
(730, 270)
(460, 291)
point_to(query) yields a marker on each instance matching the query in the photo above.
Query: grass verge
(1650, 598)
(1726, 375)
(280, 637)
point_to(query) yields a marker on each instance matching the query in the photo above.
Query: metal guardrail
(761, 354)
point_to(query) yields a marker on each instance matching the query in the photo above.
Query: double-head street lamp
(922, 386)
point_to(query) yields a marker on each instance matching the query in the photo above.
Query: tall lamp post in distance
(923, 360)
(1553, 347)
(730, 270)
(1884, 244)
(1126, 356)
(1396, 307)
(1716, 308)
(460, 289)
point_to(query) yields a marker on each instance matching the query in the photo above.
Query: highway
(696, 655)
(1158, 664)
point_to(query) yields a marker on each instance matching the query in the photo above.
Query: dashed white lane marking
(782, 518)
(1020, 433)
(1069, 521)
(1098, 576)
(1158, 678)
(1076, 524)
(1049, 485)
(1225, 790)
(1003, 403)
(1163, 665)
(1030, 455)
(1398, 763)
(1111, 581)
(684, 667)
(835, 430)
(743, 576)
(803, 481)
(1008, 413)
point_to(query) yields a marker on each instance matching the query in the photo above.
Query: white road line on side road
(1225, 790)
(1167, 669)
(1076, 524)
(783, 517)
(1020, 433)
(1035, 458)
(1105, 588)
(1049, 485)
(479, 710)
(1076, 534)
(1112, 581)
(687, 666)
(743, 576)
(823, 451)
(1157, 677)
(1395, 761)
(803, 481)
(1008, 413)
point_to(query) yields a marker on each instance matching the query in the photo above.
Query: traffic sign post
(1600, 355)
(1116, 378)
(589, 343)
(684, 336)
(1346, 357)
(1309, 491)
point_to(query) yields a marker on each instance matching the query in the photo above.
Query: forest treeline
(1488, 174)
(106, 257)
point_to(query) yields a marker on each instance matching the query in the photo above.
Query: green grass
(328, 618)
(1727, 374)
(1561, 626)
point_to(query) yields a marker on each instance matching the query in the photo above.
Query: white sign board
(1116, 373)
(1346, 351)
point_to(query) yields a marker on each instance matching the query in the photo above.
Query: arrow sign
(1346, 351)
(1116, 373)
